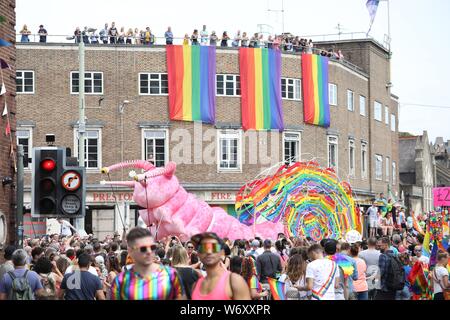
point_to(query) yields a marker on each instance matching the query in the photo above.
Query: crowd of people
(135, 266)
(112, 35)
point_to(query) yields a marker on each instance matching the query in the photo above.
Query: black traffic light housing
(57, 190)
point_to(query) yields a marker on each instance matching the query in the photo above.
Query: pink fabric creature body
(174, 211)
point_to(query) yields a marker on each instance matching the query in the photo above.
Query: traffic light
(57, 190)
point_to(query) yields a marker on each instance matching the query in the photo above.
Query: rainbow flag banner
(316, 108)
(277, 289)
(192, 83)
(260, 71)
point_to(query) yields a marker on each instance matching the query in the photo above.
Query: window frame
(351, 94)
(166, 142)
(299, 144)
(376, 103)
(386, 115)
(351, 145)
(232, 134)
(362, 98)
(92, 77)
(387, 169)
(332, 103)
(377, 160)
(393, 122)
(99, 147)
(330, 137)
(296, 89)
(149, 74)
(394, 173)
(364, 160)
(236, 84)
(30, 143)
(23, 81)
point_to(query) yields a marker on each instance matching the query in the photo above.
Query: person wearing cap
(146, 280)
(254, 245)
(219, 283)
(42, 34)
(268, 264)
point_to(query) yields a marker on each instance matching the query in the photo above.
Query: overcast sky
(419, 31)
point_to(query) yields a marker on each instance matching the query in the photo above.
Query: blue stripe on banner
(275, 89)
(325, 98)
(204, 90)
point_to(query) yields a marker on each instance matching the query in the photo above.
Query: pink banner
(441, 197)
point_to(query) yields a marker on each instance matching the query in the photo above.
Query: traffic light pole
(79, 223)
(19, 209)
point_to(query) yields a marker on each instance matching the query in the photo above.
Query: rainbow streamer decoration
(192, 83)
(316, 108)
(260, 71)
(344, 262)
(277, 289)
(309, 200)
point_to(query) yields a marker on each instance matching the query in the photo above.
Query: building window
(333, 152)
(364, 160)
(155, 147)
(92, 148)
(350, 100)
(24, 137)
(228, 85)
(332, 93)
(229, 146)
(394, 173)
(291, 89)
(153, 84)
(93, 82)
(362, 105)
(378, 111)
(378, 167)
(388, 165)
(25, 81)
(351, 157)
(386, 115)
(292, 147)
(393, 123)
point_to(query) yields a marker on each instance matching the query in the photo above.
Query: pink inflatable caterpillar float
(176, 212)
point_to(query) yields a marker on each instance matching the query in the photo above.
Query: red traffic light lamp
(48, 164)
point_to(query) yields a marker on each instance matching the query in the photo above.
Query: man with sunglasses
(146, 280)
(219, 283)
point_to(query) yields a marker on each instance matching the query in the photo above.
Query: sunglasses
(144, 249)
(209, 248)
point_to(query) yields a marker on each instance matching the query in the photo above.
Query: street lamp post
(79, 223)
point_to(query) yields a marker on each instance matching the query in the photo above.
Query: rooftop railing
(161, 42)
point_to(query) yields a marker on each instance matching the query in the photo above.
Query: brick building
(7, 163)
(417, 172)
(362, 141)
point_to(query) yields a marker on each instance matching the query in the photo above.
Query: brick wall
(8, 54)
(53, 109)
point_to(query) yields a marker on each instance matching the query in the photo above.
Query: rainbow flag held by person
(418, 278)
(316, 108)
(433, 255)
(277, 288)
(192, 83)
(260, 71)
(416, 225)
(426, 243)
(344, 262)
